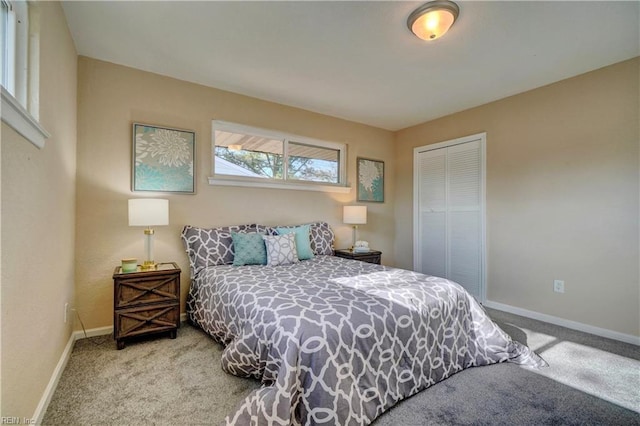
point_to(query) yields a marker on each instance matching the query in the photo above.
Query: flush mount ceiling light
(432, 20)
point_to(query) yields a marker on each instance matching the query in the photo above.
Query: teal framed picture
(163, 159)
(370, 180)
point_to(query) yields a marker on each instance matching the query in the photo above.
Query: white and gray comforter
(336, 341)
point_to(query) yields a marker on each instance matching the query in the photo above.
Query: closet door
(449, 212)
(432, 232)
(464, 227)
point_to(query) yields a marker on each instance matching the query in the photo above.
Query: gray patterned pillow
(209, 247)
(322, 237)
(267, 230)
(281, 249)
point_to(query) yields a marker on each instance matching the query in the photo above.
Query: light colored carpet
(160, 381)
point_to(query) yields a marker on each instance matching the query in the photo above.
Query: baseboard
(602, 332)
(62, 363)
(53, 382)
(92, 332)
(103, 331)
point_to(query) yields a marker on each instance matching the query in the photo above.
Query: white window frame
(21, 61)
(230, 180)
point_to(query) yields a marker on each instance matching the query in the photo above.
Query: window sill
(279, 185)
(21, 121)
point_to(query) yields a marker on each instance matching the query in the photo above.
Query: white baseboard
(93, 332)
(62, 363)
(53, 382)
(603, 332)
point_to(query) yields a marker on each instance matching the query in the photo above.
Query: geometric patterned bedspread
(337, 341)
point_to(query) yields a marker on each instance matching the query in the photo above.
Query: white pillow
(281, 249)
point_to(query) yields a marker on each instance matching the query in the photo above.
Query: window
(19, 71)
(313, 163)
(14, 27)
(249, 156)
(4, 42)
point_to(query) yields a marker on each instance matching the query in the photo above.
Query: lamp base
(355, 237)
(149, 264)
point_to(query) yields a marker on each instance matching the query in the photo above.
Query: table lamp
(354, 215)
(148, 212)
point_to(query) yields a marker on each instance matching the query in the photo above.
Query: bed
(333, 340)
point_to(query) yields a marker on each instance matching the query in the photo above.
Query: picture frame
(370, 180)
(163, 159)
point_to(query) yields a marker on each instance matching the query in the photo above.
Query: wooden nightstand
(146, 302)
(372, 256)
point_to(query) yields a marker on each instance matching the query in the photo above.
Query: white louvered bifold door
(450, 241)
(432, 256)
(464, 216)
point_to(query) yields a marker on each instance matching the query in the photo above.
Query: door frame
(482, 137)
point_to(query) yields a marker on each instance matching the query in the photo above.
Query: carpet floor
(590, 381)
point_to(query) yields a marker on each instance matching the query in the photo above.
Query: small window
(19, 70)
(313, 163)
(7, 43)
(14, 28)
(248, 155)
(244, 154)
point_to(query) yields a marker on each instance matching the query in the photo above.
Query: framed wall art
(163, 159)
(370, 180)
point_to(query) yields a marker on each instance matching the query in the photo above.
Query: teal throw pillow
(302, 238)
(248, 249)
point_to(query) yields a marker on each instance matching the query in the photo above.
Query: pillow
(248, 249)
(321, 238)
(303, 241)
(320, 234)
(281, 249)
(267, 230)
(209, 247)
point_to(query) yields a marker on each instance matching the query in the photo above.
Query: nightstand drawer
(372, 256)
(135, 291)
(138, 288)
(145, 320)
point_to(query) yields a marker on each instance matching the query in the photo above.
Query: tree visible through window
(313, 163)
(245, 153)
(260, 155)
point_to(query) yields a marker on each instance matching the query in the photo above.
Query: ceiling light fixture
(432, 20)
(234, 147)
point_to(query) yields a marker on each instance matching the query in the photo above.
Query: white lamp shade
(148, 212)
(355, 215)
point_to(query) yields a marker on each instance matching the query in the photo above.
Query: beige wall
(562, 195)
(38, 227)
(112, 97)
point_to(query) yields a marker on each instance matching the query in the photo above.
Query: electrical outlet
(558, 286)
(66, 312)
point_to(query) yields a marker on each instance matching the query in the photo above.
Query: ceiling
(357, 60)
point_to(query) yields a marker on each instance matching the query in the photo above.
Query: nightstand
(146, 302)
(372, 256)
